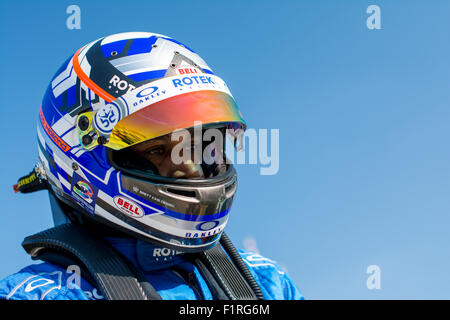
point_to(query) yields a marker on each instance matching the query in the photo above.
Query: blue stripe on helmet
(117, 46)
(141, 45)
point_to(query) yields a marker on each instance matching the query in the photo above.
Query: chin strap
(34, 181)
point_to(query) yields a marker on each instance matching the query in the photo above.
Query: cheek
(164, 166)
(162, 162)
(157, 160)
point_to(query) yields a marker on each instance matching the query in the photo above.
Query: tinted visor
(207, 107)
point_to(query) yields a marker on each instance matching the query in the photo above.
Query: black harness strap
(116, 279)
(225, 274)
(239, 263)
(215, 288)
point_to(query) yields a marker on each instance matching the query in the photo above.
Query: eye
(157, 150)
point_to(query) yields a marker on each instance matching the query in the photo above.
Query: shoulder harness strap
(115, 278)
(226, 273)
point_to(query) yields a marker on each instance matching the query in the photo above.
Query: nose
(186, 170)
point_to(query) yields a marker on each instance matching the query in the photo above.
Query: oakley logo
(203, 234)
(208, 225)
(146, 92)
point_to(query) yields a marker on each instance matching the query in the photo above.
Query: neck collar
(146, 256)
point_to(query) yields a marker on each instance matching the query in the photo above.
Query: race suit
(172, 276)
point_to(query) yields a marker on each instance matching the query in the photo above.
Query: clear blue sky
(363, 116)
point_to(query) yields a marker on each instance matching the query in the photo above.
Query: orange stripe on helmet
(91, 84)
(52, 134)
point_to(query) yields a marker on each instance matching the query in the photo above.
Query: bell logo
(128, 207)
(187, 70)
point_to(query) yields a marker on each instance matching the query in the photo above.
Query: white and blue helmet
(114, 93)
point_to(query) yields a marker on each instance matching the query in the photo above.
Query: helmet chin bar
(186, 197)
(73, 213)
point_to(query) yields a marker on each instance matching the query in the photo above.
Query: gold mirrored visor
(183, 111)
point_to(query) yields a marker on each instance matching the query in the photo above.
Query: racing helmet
(120, 91)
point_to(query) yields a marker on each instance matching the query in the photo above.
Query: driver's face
(158, 151)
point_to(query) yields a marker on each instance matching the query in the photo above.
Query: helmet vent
(185, 193)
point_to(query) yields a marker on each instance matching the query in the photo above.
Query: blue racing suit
(173, 277)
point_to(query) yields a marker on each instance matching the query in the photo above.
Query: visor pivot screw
(75, 166)
(102, 140)
(113, 53)
(154, 45)
(83, 123)
(176, 52)
(86, 140)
